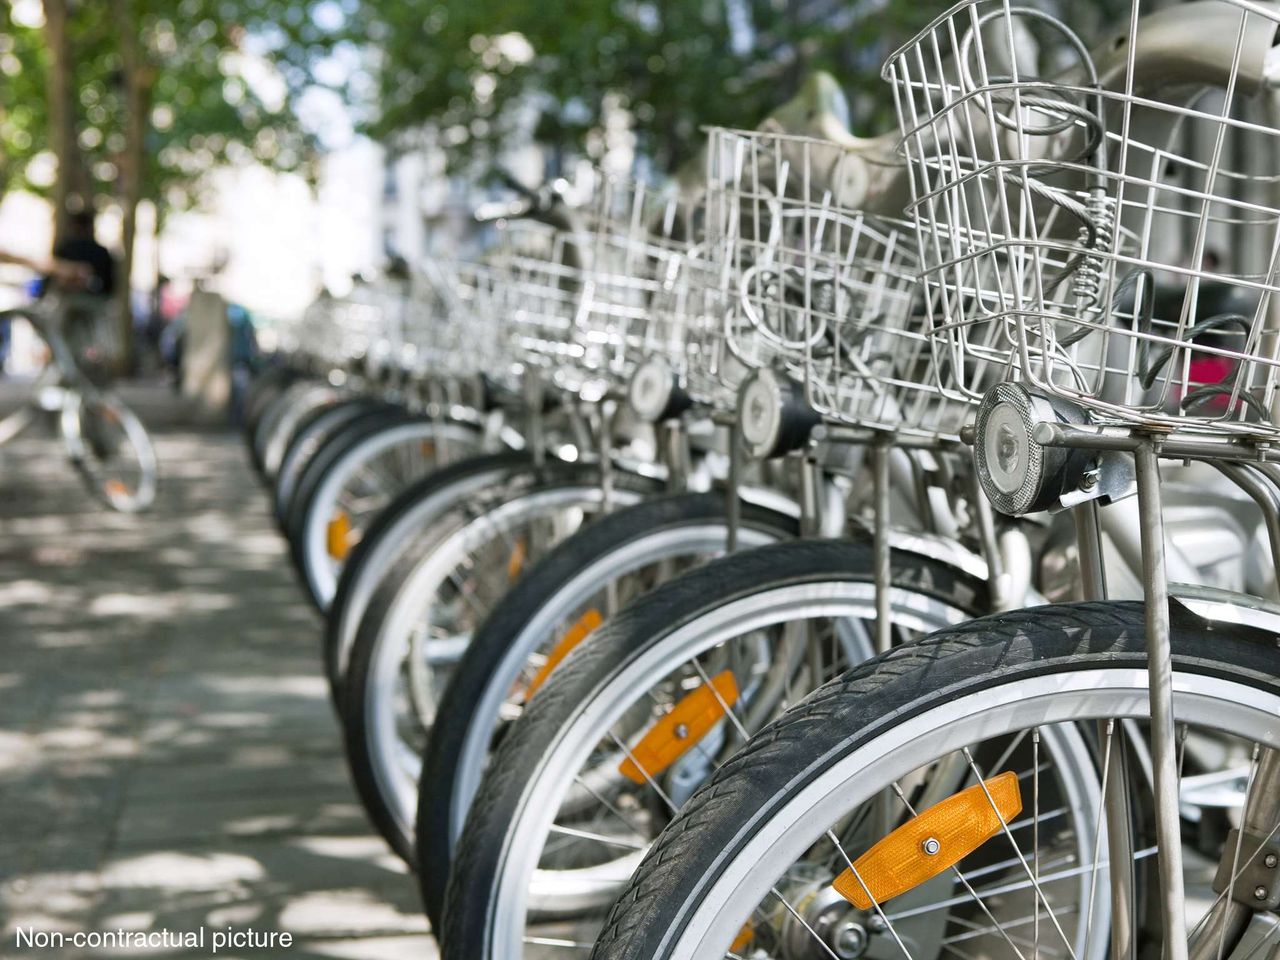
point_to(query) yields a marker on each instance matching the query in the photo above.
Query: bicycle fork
(1164, 748)
(1226, 923)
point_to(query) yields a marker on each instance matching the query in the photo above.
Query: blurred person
(244, 356)
(71, 275)
(65, 272)
(82, 246)
(91, 326)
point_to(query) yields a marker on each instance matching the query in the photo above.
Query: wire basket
(592, 295)
(816, 289)
(645, 297)
(1102, 223)
(92, 330)
(541, 280)
(452, 323)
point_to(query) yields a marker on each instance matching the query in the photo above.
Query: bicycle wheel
(404, 522)
(747, 869)
(366, 423)
(553, 606)
(263, 391)
(642, 713)
(111, 450)
(282, 417)
(312, 434)
(421, 619)
(337, 503)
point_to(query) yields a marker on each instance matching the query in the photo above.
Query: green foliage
(475, 66)
(212, 97)
(24, 116)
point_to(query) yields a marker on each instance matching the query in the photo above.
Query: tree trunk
(71, 187)
(137, 92)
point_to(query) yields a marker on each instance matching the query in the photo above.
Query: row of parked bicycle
(749, 566)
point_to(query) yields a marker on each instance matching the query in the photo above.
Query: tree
(475, 67)
(143, 98)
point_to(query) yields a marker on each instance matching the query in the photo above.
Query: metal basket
(1106, 228)
(92, 330)
(588, 300)
(645, 297)
(452, 324)
(819, 290)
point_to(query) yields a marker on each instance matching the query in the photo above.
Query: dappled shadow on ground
(168, 757)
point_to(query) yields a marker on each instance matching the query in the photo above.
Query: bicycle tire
(471, 893)
(359, 700)
(392, 533)
(503, 637)
(851, 712)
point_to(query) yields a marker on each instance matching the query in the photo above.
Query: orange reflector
(744, 937)
(515, 562)
(116, 488)
(931, 842)
(428, 448)
(679, 731)
(581, 628)
(338, 535)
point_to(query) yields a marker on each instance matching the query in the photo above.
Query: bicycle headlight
(774, 417)
(1018, 474)
(653, 393)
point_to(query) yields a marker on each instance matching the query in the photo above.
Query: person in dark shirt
(81, 246)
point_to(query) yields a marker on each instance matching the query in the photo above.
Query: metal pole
(1093, 580)
(1164, 746)
(810, 521)
(733, 506)
(880, 547)
(1093, 571)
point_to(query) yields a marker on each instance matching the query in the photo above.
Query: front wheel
(750, 868)
(111, 450)
(643, 712)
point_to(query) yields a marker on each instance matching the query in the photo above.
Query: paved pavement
(168, 757)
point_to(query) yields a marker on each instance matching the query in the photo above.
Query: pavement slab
(168, 755)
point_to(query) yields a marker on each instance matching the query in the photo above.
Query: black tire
(388, 523)
(264, 391)
(315, 430)
(477, 860)
(852, 710)
(281, 416)
(354, 699)
(313, 506)
(473, 676)
(323, 459)
(87, 428)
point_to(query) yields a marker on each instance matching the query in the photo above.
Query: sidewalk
(168, 756)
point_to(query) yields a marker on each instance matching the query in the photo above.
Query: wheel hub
(827, 925)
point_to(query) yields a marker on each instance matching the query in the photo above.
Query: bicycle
(887, 812)
(107, 444)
